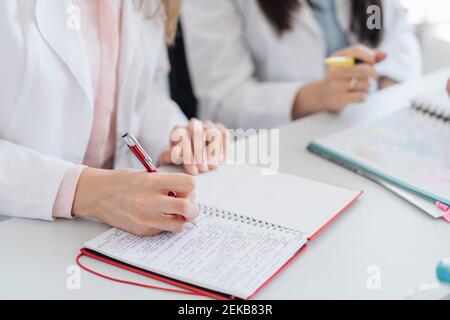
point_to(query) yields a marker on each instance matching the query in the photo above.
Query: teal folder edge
(369, 172)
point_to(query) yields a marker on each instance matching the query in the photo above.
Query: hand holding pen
(135, 201)
(147, 162)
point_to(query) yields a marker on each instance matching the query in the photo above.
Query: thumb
(380, 56)
(166, 158)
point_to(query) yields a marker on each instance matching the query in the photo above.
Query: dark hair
(281, 13)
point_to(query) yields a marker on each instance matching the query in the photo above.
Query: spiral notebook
(408, 150)
(224, 252)
(228, 254)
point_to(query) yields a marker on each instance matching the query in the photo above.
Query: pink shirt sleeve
(62, 208)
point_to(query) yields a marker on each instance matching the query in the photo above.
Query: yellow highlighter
(341, 62)
(348, 62)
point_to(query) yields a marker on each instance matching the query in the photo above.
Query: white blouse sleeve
(222, 70)
(160, 114)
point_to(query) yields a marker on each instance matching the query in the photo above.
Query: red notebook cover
(187, 288)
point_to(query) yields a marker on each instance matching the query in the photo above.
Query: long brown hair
(171, 11)
(281, 13)
(172, 8)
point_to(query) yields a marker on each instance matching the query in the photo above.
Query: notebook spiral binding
(225, 214)
(430, 111)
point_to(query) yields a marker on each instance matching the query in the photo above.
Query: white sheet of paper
(294, 202)
(420, 203)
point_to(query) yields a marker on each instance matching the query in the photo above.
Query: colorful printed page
(409, 148)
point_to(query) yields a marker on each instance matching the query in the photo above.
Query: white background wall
(432, 19)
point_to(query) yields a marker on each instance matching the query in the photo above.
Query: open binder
(225, 255)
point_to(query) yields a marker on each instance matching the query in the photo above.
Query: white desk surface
(381, 230)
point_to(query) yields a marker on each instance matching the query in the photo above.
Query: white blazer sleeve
(404, 61)
(29, 182)
(160, 114)
(222, 70)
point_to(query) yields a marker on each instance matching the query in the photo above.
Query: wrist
(91, 184)
(309, 100)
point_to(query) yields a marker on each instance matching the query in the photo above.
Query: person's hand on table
(199, 147)
(136, 201)
(448, 87)
(341, 85)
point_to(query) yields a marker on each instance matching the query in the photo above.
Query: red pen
(139, 152)
(143, 157)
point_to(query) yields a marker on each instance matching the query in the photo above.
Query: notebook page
(218, 254)
(408, 146)
(282, 199)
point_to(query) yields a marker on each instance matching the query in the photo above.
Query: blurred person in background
(260, 63)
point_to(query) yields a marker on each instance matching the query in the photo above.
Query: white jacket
(46, 99)
(246, 76)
